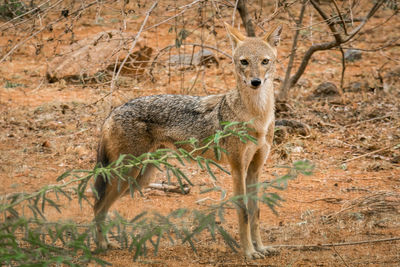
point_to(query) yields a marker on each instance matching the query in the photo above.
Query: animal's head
(255, 57)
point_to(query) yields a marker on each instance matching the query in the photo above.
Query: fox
(147, 123)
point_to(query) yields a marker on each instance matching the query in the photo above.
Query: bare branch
(328, 21)
(33, 10)
(341, 17)
(185, 8)
(335, 43)
(343, 69)
(286, 85)
(362, 24)
(390, 43)
(133, 44)
(41, 30)
(154, 61)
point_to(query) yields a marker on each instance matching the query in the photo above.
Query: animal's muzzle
(255, 82)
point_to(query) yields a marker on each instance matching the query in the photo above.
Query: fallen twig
(373, 119)
(332, 200)
(340, 256)
(185, 189)
(370, 153)
(338, 244)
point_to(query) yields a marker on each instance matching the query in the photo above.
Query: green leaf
(199, 159)
(184, 176)
(64, 175)
(120, 159)
(210, 172)
(217, 152)
(218, 166)
(228, 238)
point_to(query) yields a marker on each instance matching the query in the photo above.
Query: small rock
(293, 127)
(395, 159)
(47, 144)
(359, 86)
(280, 135)
(81, 151)
(326, 89)
(55, 125)
(391, 81)
(352, 55)
(304, 83)
(297, 149)
(356, 86)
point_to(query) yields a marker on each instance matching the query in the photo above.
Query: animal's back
(170, 118)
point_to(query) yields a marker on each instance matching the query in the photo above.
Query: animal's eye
(265, 61)
(244, 62)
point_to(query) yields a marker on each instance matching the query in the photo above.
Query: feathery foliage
(28, 238)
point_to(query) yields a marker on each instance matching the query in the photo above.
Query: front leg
(253, 173)
(239, 189)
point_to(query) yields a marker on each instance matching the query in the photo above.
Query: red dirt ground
(46, 129)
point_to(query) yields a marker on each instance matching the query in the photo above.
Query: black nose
(255, 82)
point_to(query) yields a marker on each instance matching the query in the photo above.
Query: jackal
(147, 123)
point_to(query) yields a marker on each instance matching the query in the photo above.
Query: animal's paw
(104, 245)
(267, 251)
(254, 255)
(113, 245)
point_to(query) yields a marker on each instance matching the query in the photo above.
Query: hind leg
(111, 194)
(142, 180)
(101, 207)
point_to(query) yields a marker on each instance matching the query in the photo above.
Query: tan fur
(147, 123)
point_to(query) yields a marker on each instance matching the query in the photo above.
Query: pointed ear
(273, 37)
(236, 36)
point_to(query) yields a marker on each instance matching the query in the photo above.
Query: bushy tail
(101, 182)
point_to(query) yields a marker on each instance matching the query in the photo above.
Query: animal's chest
(251, 147)
(262, 128)
(261, 140)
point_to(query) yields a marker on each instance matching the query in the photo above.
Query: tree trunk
(244, 15)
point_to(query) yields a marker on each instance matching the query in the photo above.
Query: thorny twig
(133, 44)
(169, 47)
(277, 11)
(36, 9)
(186, 8)
(41, 30)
